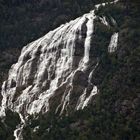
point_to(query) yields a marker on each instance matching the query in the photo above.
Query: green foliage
(8, 125)
(23, 21)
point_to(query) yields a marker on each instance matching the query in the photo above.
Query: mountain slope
(57, 63)
(94, 61)
(24, 21)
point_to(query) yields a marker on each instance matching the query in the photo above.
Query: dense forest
(115, 114)
(36, 18)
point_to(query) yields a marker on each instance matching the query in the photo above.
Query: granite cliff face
(79, 81)
(56, 72)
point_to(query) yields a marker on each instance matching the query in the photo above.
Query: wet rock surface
(56, 71)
